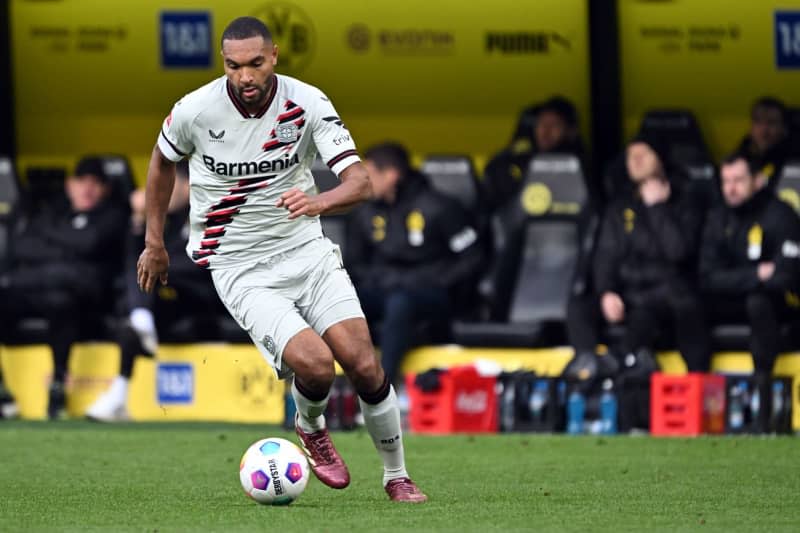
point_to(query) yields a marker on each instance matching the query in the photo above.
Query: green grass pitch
(77, 476)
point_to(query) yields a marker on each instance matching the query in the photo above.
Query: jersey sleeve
(334, 142)
(175, 140)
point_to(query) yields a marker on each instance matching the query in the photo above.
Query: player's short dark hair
(770, 102)
(244, 28)
(389, 154)
(730, 159)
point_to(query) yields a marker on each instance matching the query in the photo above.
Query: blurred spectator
(642, 274)
(190, 293)
(551, 127)
(65, 261)
(769, 143)
(408, 251)
(750, 259)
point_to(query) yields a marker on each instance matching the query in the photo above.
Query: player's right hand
(152, 266)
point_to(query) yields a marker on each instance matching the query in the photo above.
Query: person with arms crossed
(750, 264)
(251, 137)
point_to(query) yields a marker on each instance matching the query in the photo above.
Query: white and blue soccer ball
(274, 471)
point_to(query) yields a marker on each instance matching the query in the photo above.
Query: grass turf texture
(184, 477)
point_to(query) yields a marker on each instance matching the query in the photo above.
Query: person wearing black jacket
(548, 128)
(190, 293)
(769, 144)
(407, 251)
(644, 265)
(65, 260)
(750, 259)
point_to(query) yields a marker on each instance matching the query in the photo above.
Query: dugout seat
(454, 176)
(334, 227)
(535, 270)
(681, 132)
(324, 177)
(9, 203)
(794, 121)
(690, 162)
(120, 176)
(789, 185)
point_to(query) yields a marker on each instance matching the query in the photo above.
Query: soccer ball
(274, 471)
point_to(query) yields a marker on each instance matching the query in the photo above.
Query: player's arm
(354, 189)
(154, 261)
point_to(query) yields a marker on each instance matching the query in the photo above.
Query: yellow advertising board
(222, 382)
(714, 57)
(446, 76)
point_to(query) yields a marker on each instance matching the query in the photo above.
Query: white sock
(383, 423)
(119, 387)
(311, 418)
(144, 324)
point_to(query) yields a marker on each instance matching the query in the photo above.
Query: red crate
(465, 403)
(687, 405)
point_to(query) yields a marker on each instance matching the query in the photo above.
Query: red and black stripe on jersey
(294, 113)
(343, 155)
(222, 213)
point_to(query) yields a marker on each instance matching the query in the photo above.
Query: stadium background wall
(101, 76)
(88, 76)
(714, 57)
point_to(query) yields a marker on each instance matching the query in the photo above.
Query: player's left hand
(299, 203)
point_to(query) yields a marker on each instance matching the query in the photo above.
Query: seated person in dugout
(190, 293)
(408, 251)
(750, 260)
(643, 276)
(769, 143)
(64, 264)
(549, 128)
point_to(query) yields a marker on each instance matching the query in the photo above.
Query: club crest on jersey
(287, 133)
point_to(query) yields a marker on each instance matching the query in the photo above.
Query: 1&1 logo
(293, 32)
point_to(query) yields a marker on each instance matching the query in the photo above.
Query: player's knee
(317, 372)
(366, 368)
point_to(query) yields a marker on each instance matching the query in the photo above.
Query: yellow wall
(88, 75)
(714, 57)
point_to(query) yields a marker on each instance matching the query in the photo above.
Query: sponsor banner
(174, 383)
(714, 57)
(439, 76)
(220, 382)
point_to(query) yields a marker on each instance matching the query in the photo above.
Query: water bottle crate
(744, 399)
(689, 404)
(529, 403)
(460, 401)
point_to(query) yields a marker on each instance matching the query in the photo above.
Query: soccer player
(251, 137)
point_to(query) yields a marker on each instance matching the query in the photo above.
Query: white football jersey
(240, 164)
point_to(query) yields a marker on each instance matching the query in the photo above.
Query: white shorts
(275, 299)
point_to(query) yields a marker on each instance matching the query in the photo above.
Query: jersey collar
(241, 109)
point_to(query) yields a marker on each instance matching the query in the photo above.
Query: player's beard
(255, 100)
